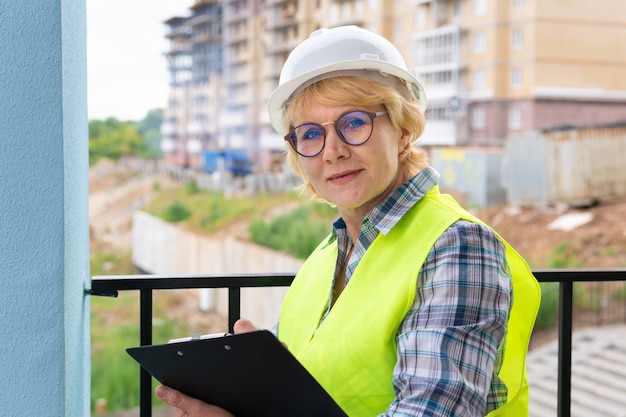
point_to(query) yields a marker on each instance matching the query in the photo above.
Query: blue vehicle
(234, 161)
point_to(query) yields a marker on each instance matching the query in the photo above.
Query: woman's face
(354, 178)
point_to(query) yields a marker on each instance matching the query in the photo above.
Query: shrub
(176, 212)
(297, 232)
(547, 315)
(191, 187)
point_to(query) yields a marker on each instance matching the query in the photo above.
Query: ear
(405, 140)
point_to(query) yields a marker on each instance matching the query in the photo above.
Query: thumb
(172, 397)
(243, 326)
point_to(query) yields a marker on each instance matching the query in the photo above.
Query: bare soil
(600, 243)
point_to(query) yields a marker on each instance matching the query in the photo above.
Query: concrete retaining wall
(162, 248)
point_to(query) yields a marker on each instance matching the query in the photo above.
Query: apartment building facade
(190, 122)
(491, 68)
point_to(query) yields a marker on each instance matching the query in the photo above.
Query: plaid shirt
(449, 343)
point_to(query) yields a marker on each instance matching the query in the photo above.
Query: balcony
(147, 284)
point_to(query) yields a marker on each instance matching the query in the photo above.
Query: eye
(309, 133)
(353, 121)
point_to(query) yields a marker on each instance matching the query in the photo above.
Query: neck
(353, 223)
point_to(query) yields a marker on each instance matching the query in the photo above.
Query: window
(517, 39)
(439, 77)
(345, 11)
(437, 113)
(480, 7)
(334, 13)
(515, 117)
(479, 80)
(478, 118)
(419, 54)
(457, 10)
(358, 7)
(480, 44)
(420, 19)
(516, 78)
(438, 49)
(517, 4)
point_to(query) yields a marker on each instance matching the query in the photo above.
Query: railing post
(234, 307)
(564, 404)
(145, 338)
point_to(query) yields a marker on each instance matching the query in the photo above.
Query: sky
(126, 67)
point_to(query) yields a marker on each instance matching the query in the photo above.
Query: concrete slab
(598, 374)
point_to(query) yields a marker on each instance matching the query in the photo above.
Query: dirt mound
(593, 237)
(113, 197)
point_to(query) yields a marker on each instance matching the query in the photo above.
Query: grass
(114, 375)
(209, 212)
(297, 232)
(115, 327)
(111, 263)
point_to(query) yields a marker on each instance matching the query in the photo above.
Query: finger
(187, 406)
(171, 396)
(184, 404)
(243, 326)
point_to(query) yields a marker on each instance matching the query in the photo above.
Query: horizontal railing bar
(576, 275)
(109, 283)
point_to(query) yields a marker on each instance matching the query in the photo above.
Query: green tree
(150, 128)
(113, 139)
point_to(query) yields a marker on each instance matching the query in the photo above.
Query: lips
(343, 177)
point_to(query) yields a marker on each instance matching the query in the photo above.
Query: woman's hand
(243, 326)
(187, 406)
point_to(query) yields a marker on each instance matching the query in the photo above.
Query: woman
(404, 309)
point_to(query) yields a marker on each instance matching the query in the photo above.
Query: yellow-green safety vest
(353, 353)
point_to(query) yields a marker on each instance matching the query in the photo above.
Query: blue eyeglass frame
(371, 115)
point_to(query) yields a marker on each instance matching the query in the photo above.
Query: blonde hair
(361, 91)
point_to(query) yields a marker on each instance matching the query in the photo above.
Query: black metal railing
(146, 284)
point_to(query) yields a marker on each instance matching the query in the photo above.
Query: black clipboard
(249, 374)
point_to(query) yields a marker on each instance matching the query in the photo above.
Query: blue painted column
(44, 232)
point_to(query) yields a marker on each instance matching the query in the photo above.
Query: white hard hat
(344, 50)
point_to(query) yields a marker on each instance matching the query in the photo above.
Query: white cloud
(126, 66)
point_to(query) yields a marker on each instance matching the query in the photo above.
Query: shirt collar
(389, 212)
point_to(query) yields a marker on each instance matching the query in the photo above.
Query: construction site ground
(590, 237)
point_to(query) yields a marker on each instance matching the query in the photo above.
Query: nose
(334, 148)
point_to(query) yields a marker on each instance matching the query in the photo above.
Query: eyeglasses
(354, 128)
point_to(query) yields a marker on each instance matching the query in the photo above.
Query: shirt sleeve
(448, 343)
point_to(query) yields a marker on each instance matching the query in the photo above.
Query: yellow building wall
(580, 44)
(580, 56)
(601, 11)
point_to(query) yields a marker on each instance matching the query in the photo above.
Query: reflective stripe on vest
(353, 353)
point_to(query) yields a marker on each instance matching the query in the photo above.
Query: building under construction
(490, 68)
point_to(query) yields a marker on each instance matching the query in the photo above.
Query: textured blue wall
(44, 242)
